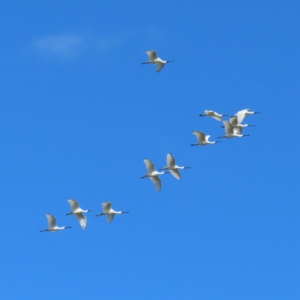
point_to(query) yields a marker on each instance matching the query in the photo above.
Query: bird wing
(106, 206)
(207, 137)
(170, 160)
(238, 130)
(228, 127)
(82, 220)
(149, 165)
(152, 55)
(110, 217)
(157, 182)
(73, 203)
(241, 115)
(218, 118)
(159, 66)
(209, 112)
(51, 220)
(175, 173)
(233, 121)
(200, 136)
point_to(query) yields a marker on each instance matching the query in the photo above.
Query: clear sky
(79, 113)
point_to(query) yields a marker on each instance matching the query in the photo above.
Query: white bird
(52, 224)
(153, 59)
(172, 167)
(232, 132)
(213, 114)
(233, 121)
(202, 139)
(242, 114)
(153, 174)
(109, 212)
(78, 212)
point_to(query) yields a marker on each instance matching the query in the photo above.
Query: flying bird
(202, 139)
(172, 167)
(232, 132)
(213, 114)
(109, 212)
(153, 59)
(52, 224)
(242, 114)
(153, 174)
(78, 212)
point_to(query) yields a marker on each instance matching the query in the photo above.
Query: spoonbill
(78, 212)
(232, 132)
(109, 212)
(242, 114)
(52, 224)
(202, 139)
(172, 167)
(153, 174)
(213, 114)
(154, 59)
(233, 121)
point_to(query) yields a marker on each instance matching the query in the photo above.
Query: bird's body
(109, 212)
(52, 224)
(202, 139)
(212, 114)
(232, 132)
(242, 114)
(153, 174)
(154, 59)
(172, 167)
(78, 213)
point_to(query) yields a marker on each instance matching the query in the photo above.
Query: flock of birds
(233, 128)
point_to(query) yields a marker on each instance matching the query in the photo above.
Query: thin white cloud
(64, 46)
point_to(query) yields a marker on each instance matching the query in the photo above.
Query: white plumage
(109, 212)
(154, 59)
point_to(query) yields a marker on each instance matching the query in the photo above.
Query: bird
(153, 174)
(172, 167)
(78, 212)
(109, 212)
(153, 59)
(213, 114)
(232, 132)
(233, 121)
(52, 224)
(202, 139)
(242, 114)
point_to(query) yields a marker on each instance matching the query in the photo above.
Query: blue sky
(79, 113)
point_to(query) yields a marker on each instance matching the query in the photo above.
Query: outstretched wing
(106, 206)
(159, 66)
(175, 173)
(157, 182)
(200, 136)
(238, 130)
(149, 165)
(73, 203)
(51, 221)
(233, 121)
(228, 128)
(152, 55)
(241, 115)
(170, 160)
(207, 137)
(82, 220)
(110, 217)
